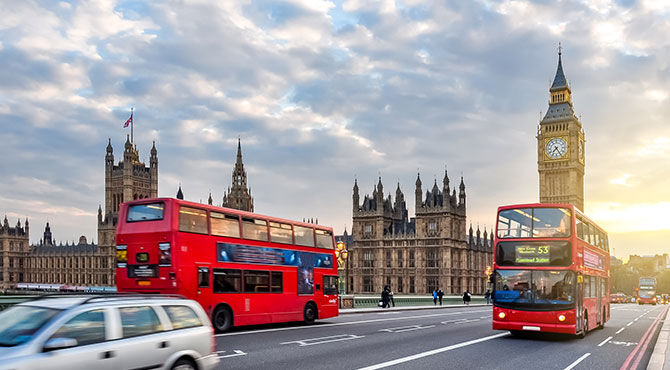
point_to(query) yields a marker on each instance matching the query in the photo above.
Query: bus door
(599, 305)
(579, 303)
(204, 288)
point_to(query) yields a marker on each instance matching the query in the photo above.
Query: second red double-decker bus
(646, 291)
(243, 268)
(551, 270)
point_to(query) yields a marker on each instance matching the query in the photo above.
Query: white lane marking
(620, 330)
(605, 341)
(629, 324)
(578, 361)
(322, 340)
(485, 317)
(433, 352)
(236, 353)
(402, 329)
(627, 344)
(347, 323)
(459, 321)
(389, 313)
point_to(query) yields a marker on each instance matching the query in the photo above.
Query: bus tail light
(165, 256)
(121, 255)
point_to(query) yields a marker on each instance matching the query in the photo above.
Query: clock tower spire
(560, 144)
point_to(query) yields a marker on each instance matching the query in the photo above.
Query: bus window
(203, 277)
(193, 220)
(255, 229)
(515, 223)
(324, 239)
(551, 222)
(304, 236)
(277, 282)
(256, 281)
(281, 233)
(596, 237)
(580, 228)
(224, 225)
(330, 285)
(145, 212)
(227, 281)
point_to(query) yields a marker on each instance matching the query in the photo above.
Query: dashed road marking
(577, 361)
(432, 352)
(605, 341)
(323, 340)
(236, 353)
(402, 329)
(620, 330)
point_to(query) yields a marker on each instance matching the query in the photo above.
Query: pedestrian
(466, 297)
(385, 297)
(440, 294)
(487, 295)
(391, 296)
(435, 297)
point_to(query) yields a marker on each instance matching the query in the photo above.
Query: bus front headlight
(501, 315)
(561, 318)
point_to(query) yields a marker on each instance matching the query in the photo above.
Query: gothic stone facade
(129, 180)
(48, 263)
(560, 147)
(415, 256)
(239, 196)
(14, 248)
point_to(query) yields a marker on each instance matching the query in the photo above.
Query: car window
(139, 321)
(182, 317)
(86, 328)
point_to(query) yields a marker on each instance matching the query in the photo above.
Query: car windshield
(535, 289)
(18, 324)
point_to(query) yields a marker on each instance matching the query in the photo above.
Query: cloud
(321, 92)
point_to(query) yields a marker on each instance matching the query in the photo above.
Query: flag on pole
(129, 121)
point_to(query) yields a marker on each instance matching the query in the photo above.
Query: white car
(107, 332)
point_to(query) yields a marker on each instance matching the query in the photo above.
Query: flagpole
(132, 121)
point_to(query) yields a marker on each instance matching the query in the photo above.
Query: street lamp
(341, 253)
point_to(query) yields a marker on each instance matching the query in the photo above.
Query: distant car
(107, 332)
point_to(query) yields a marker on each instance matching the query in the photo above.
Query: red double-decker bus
(243, 268)
(551, 270)
(646, 291)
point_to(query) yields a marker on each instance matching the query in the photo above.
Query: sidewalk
(344, 311)
(660, 358)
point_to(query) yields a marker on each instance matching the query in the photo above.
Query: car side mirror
(59, 343)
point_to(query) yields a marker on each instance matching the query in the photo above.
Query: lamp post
(341, 253)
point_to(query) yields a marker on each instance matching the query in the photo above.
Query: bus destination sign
(532, 254)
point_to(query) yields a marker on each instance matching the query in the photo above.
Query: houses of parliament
(90, 264)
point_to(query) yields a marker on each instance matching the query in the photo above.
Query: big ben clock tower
(560, 147)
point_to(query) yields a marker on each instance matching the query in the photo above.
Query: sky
(321, 93)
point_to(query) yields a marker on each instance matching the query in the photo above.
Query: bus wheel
(222, 319)
(585, 327)
(309, 313)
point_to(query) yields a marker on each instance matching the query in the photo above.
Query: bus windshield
(534, 223)
(535, 289)
(145, 212)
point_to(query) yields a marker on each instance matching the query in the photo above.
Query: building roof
(559, 79)
(559, 112)
(65, 249)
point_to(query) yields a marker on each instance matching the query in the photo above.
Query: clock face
(556, 148)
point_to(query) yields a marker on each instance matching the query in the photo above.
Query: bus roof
(228, 210)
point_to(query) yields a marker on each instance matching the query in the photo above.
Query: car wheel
(309, 313)
(222, 319)
(183, 364)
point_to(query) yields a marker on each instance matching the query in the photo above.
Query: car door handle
(164, 344)
(107, 354)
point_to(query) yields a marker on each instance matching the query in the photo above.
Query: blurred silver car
(107, 333)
